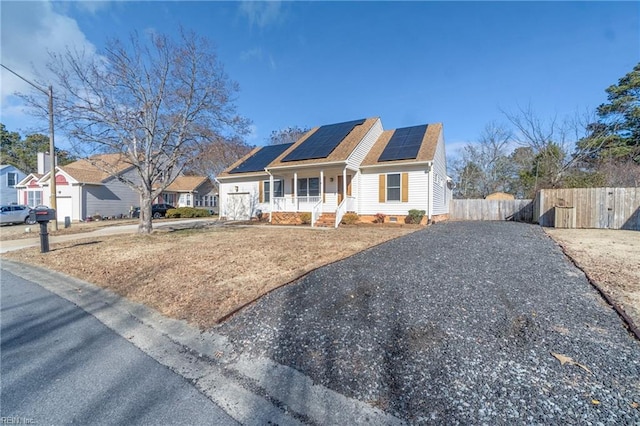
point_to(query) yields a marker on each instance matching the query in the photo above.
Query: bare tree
(553, 143)
(212, 158)
(485, 167)
(287, 135)
(156, 101)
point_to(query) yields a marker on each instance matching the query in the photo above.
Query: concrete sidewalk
(11, 245)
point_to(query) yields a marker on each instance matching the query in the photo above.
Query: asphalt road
(61, 365)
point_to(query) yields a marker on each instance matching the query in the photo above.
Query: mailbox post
(43, 216)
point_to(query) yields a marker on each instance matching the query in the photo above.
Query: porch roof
(426, 152)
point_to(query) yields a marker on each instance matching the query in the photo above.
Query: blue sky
(314, 63)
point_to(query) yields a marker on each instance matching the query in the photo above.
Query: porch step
(326, 220)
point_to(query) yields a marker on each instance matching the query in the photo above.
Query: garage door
(238, 206)
(65, 208)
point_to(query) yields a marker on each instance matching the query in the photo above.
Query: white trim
(300, 166)
(390, 164)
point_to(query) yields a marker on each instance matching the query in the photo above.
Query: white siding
(418, 191)
(440, 189)
(70, 204)
(245, 204)
(365, 145)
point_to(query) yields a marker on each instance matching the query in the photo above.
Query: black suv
(157, 210)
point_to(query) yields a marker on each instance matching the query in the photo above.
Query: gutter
(310, 165)
(414, 163)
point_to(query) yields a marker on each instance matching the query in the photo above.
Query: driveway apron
(455, 324)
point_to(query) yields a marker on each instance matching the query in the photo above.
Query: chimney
(44, 163)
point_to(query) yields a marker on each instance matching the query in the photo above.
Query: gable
(425, 150)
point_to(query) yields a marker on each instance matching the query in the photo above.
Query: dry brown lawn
(15, 232)
(203, 275)
(611, 258)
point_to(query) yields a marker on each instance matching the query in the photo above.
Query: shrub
(96, 216)
(349, 219)
(305, 218)
(187, 212)
(379, 218)
(415, 216)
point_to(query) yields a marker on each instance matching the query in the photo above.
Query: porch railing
(340, 211)
(351, 203)
(293, 204)
(347, 205)
(316, 211)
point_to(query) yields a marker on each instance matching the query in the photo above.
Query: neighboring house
(190, 191)
(30, 192)
(10, 176)
(84, 190)
(354, 166)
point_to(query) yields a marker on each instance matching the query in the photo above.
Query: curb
(253, 391)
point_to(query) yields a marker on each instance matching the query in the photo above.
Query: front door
(340, 188)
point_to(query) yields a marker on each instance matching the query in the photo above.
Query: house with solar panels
(355, 166)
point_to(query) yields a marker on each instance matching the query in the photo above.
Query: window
(393, 187)
(169, 198)
(34, 198)
(309, 187)
(12, 179)
(278, 189)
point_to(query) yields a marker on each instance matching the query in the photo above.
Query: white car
(15, 213)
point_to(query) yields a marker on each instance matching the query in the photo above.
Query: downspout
(430, 192)
(80, 201)
(219, 198)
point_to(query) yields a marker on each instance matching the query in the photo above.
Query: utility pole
(52, 150)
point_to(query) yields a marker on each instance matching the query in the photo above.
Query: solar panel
(322, 143)
(404, 144)
(261, 158)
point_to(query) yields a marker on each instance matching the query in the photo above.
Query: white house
(10, 176)
(354, 166)
(85, 190)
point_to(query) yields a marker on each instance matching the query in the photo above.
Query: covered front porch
(313, 191)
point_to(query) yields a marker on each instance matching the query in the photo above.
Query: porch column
(344, 184)
(271, 195)
(321, 188)
(295, 191)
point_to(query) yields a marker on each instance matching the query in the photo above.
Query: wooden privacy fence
(472, 209)
(610, 208)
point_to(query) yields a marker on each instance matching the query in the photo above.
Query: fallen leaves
(568, 360)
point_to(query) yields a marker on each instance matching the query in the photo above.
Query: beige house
(191, 191)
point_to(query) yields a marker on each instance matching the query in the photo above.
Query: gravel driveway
(455, 324)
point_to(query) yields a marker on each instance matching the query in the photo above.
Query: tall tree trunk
(145, 226)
